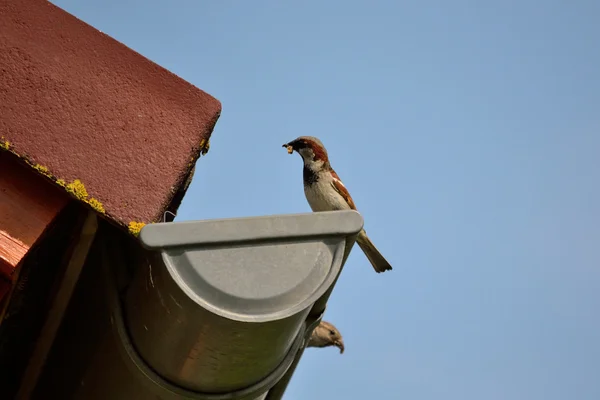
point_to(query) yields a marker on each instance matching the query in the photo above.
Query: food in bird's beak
(290, 149)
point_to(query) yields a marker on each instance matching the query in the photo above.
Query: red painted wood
(28, 205)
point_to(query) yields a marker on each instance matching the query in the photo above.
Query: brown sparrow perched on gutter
(325, 335)
(325, 191)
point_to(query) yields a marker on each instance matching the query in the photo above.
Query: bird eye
(332, 333)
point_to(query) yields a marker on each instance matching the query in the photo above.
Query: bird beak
(340, 344)
(289, 147)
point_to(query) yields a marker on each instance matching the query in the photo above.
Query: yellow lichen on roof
(42, 170)
(77, 189)
(96, 205)
(204, 146)
(135, 227)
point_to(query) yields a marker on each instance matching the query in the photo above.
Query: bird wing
(341, 189)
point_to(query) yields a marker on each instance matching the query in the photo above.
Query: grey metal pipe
(197, 349)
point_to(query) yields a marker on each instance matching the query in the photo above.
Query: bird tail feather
(380, 264)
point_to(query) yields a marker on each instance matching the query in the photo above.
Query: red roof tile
(91, 113)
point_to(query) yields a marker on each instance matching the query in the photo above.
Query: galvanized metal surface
(146, 383)
(219, 307)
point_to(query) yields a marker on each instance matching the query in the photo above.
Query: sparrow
(325, 335)
(325, 191)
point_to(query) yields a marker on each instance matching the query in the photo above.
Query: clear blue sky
(468, 133)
